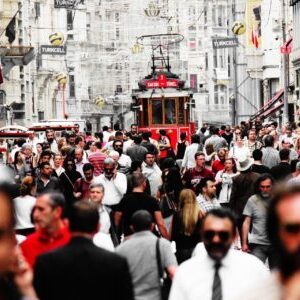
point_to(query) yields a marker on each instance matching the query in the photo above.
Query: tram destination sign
(64, 3)
(53, 50)
(170, 83)
(219, 43)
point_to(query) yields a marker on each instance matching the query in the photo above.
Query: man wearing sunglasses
(219, 272)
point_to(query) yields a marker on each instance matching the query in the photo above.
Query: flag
(1, 73)
(10, 31)
(254, 38)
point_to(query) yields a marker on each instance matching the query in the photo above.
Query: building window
(193, 82)
(70, 24)
(192, 44)
(72, 86)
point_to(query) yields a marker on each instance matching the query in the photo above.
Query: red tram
(162, 102)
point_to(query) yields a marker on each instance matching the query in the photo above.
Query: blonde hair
(189, 210)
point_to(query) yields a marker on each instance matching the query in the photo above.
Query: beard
(120, 151)
(288, 263)
(216, 251)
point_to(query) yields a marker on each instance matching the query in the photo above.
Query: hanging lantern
(152, 10)
(56, 39)
(238, 27)
(61, 78)
(99, 101)
(137, 48)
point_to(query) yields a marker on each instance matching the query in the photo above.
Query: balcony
(15, 56)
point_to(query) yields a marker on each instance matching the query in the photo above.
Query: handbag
(167, 204)
(164, 279)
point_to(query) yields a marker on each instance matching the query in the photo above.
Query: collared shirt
(53, 184)
(252, 146)
(189, 155)
(194, 278)
(207, 205)
(270, 157)
(79, 167)
(153, 174)
(38, 243)
(140, 252)
(114, 188)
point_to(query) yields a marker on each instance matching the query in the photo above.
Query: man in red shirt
(51, 230)
(219, 164)
(194, 175)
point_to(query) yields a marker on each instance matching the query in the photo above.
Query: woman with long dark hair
(68, 178)
(19, 167)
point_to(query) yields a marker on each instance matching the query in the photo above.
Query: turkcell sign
(53, 50)
(219, 43)
(64, 3)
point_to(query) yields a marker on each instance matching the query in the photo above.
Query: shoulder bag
(164, 279)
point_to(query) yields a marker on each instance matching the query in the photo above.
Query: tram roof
(159, 94)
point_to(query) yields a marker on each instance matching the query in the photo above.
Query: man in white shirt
(79, 161)
(188, 161)
(220, 272)
(115, 183)
(152, 172)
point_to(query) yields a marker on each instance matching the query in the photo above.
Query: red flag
(1, 73)
(254, 38)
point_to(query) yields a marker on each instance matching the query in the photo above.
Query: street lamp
(62, 81)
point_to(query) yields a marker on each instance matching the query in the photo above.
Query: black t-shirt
(260, 169)
(134, 202)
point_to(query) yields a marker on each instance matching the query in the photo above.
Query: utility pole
(234, 102)
(284, 67)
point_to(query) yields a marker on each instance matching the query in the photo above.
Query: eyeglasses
(70, 164)
(291, 228)
(210, 234)
(118, 146)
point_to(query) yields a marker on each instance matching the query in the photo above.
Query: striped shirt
(97, 160)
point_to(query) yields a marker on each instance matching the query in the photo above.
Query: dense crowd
(120, 215)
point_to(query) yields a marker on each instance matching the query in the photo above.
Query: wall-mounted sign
(64, 3)
(53, 50)
(219, 43)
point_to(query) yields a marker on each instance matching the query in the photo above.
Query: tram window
(170, 114)
(157, 112)
(181, 110)
(145, 112)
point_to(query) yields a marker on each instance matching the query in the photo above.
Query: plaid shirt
(207, 205)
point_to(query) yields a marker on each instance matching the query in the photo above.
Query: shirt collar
(43, 237)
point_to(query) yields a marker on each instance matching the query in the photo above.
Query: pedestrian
(142, 251)
(81, 187)
(270, 154)
(219, 272)
(206, 195)
(219, 163)
(152, 172)
(257, 166)
(242, 189)
(252, 143)
(185, 226)
(164, 145)
(79, 160)
(114, 182)
(81, 270)
(136, 151)
(51, 230)
(188, 160)
(23, 206)
(124, 161)
(47, 183)
(224, 181)
(181, 146)
(255, 212)
(283, 170)
(138, 200)
(192, 177)
(215, 140)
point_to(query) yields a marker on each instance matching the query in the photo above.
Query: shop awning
(270, 107)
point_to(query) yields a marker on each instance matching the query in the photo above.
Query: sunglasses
(108, 170)
(291, 228)
(210, 234)
(118, 146)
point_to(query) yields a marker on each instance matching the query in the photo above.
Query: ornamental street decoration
(56, 39)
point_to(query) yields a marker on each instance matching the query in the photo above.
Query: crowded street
(149, 150)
